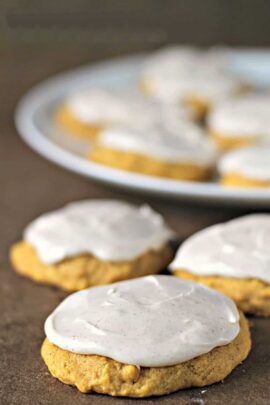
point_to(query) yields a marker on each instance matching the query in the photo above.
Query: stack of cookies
(187, 114)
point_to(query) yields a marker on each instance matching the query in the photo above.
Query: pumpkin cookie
(188, 75)
(240, 121)
(91, 243)
(246, 167)
(233, 258)
(89, 111)
(182, 155)
(145, 337)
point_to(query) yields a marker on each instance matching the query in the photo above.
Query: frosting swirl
(238, 248)
(109, 229)
(151, 321)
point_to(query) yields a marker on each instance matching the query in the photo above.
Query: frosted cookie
(89, 111)
(93, 242)
(240, 121)
(145, 337)
(246, 167)
(232, 257)
(183, 154)
(184, 74)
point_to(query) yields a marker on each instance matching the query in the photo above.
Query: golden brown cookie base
(85, 271)
(199, 105)
(73, 126)
(250, 295)
(133, 162)
(236, 180)
(106, 376)
(146, 87)
(225, 143)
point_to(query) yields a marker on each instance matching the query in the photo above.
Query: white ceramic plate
(35, 125)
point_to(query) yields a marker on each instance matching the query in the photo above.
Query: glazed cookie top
(247, 116)
(109, 229)
(123, 108)
(184, 143)
(251, 162)
(238, 248)
(108, 107)
(151, 321)
(175, 73)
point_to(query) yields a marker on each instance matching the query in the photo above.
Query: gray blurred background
(132, 25)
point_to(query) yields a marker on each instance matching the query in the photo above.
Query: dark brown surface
(29, 186)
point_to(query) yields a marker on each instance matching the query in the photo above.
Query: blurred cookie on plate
(246, 167)
(87, 112)
(184, 74)
(240, 121)
(180, 153)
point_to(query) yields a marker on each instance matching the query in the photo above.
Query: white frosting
(184, 143)
(126, 108)
(238, 248)
(247, 116)
(179, 120)
(151, 321)
(108, 229)
(176, 73)
(251, 162)
(107, 107)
